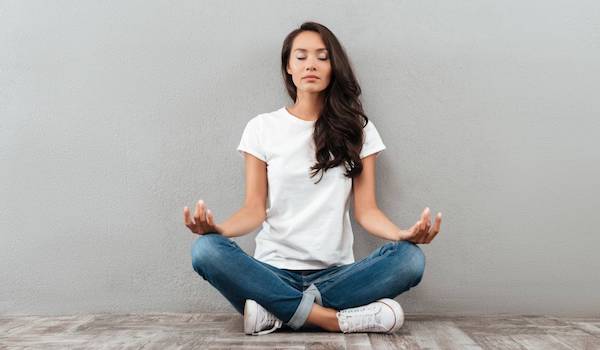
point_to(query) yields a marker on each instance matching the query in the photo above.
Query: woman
(303, 272)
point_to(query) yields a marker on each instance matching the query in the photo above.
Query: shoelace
(363, 318)
(269, 319)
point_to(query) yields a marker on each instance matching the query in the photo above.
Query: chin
(313, 89)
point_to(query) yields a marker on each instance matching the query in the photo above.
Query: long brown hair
(339, 130)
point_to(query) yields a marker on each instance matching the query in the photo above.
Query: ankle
(324, 318)
(335, 325)
(332, 324)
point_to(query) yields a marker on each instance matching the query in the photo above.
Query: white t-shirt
(307, 224)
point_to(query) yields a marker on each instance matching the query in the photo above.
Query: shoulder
(263, 120)
(255, 123)
(369, 129)
(370, 125)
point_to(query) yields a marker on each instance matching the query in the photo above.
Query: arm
(244, 221)
(376, 223)
(368, 215)
(366, 212)
(253, 213)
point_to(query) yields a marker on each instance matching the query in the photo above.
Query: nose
(310, 64)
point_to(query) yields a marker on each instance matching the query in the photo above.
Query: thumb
(414, 228)
(211, 221)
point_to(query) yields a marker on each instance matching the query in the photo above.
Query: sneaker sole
(250, 317)
(398, 313)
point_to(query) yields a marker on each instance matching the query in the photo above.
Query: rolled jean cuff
(301, 314)
(312, 289)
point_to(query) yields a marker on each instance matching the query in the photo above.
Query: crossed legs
(387, 272)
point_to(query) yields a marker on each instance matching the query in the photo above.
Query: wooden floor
(225, 331)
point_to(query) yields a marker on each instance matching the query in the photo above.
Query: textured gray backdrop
(115, 115)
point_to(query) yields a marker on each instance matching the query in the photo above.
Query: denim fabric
(388, 271)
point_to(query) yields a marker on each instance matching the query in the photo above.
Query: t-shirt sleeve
(251, 140)
(372, 142)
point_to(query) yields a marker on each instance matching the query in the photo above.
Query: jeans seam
(346, 275)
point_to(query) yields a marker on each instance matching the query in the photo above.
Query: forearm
(377, 224)
(244, 221)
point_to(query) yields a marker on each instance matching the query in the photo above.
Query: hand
(203, 220)
(422, 232)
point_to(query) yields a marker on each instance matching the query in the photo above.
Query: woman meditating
(302, 163)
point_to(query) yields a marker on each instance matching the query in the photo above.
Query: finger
(436, 227)
(426, 218)
(438, 222)
(191, 218)
(425, 235)
(421, 233)
(417, 230)
(196, 213)
(186, 217)
(432, 236)
(200, 215)
(427, 223)
(209, 217)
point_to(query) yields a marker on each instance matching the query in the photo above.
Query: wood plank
(578, 341)
(592, 328)
(496, 325)
(394, 341)
(539, 342)
(499, 342)
(225, 331)
(357, 341)
(440, 335)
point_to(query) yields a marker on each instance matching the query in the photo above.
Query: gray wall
(116, 115)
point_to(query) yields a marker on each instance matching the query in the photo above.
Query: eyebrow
(321, 49)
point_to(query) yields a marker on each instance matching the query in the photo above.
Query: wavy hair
(338, 133)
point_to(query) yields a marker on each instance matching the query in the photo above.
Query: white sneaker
(257, 319)
(381, 316)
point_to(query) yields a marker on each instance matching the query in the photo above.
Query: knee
(413, 260)
(205, 249)
(416, 263)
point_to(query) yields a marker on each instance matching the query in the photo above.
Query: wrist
(401, 235)
(219, 229)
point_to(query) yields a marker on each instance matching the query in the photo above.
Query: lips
(311, 76)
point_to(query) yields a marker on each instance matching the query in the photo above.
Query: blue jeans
(388, 271)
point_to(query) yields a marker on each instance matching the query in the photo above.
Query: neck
(308, 106)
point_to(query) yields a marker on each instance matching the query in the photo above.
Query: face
(309, 57)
